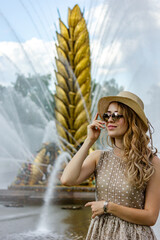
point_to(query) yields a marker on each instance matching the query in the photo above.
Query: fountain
(43, 224)
(72, 110)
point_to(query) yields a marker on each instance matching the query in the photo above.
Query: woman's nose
(110, 119)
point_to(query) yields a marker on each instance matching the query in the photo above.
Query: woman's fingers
(96, 207)
(94, 215)
(95, 118)
(88, 204)
(98, 124)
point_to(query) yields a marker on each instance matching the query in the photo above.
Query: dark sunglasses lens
(106, 117)
(115, 116)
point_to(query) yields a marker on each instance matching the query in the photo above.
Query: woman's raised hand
(94, 129)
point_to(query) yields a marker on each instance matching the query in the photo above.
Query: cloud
(106, 60)
(32, 56)
(96, 17)
(124, 38)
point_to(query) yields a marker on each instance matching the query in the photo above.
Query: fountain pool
(21, 223)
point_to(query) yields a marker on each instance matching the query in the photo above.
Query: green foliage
(3, 90)
(37, 88)
(111, 88)
(107, 88)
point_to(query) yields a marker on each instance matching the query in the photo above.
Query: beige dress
(112, 185)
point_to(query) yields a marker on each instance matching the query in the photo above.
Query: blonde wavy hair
(138, 154)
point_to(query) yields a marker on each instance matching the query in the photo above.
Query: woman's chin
(114, 135)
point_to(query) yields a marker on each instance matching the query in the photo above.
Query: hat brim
(104, 102)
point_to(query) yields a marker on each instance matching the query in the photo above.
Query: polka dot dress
(112, 185)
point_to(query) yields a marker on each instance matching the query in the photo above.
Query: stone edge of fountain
(35, 195)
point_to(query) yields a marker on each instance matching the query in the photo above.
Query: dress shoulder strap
(103, 155)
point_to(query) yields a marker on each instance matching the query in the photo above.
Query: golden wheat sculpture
(73, 88)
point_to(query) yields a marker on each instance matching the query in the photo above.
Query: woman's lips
(110, 127)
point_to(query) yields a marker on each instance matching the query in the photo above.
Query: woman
(127, 177)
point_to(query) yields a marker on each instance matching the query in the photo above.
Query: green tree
(37, 88)
(107, 88)
(3, 90)
(110, 88)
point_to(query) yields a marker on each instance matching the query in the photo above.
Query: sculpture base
(35, 194)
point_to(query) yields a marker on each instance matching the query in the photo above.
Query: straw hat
(127, 98)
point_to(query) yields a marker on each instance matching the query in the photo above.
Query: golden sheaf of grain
(39, 167)
(73, 88)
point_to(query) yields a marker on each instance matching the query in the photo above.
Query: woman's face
(116, 129)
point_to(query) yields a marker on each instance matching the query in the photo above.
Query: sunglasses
(115, 116)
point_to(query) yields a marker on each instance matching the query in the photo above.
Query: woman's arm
(146, 216)
(82, 166)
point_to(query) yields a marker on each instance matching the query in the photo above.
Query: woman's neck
(118, 148)
(121, 148)
(119, 144)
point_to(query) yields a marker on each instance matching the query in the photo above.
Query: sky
(124, 39)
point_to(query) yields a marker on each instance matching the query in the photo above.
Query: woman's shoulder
(155, 179)
(98, 155)
(156, 162)
(156, 165)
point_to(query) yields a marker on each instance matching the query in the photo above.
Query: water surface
(21, 223)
